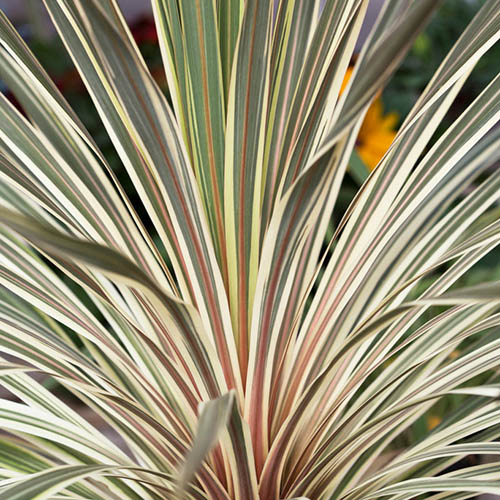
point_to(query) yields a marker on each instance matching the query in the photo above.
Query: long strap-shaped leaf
(240, 457)
(120, 264)
(347, 253)
(190, 42)
(452, 147)
(447, 227)
(290, 42)
(27, 277)
(47, 407)
(451, 450)
(414, 487)
(365, 435)
(300, 414)
(56, 121)
(394, 251)
(34, 100)
(359, 231)
(324, 99)
(476, 39)
(481, 34)
(30, 459)
(283, 248)
(139, 120)
(328, 55)
(43, 485)
(358, 477)
(229, 15)
(183, 316)
(291, 303)
(376, 69)
(213, 418)
(405, 362)
(246, 120)
(414, 352)
(134, 419)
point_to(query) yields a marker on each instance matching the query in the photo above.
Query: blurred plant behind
(430, 48)
(195, 265)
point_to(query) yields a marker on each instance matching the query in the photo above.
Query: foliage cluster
(228, 352)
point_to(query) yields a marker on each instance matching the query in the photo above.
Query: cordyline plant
(257, 360)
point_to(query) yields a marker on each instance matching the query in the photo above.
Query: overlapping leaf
(328, 357)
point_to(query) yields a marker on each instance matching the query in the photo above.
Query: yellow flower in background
(433, 421)
(347, 77)
(376, 134)
(377, 131)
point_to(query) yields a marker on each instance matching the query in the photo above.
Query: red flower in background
(144, 31)
(70, 81)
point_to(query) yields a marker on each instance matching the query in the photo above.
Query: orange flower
(376, 134)
(346, 79)
(377, 131)
(433, 421)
